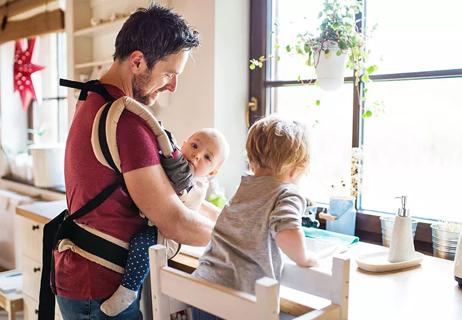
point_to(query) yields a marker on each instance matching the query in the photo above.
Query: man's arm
(151, 191)
(209, 210)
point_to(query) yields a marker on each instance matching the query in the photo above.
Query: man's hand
(153, 195)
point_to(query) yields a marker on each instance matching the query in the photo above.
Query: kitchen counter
(41, 212)
(428, 291)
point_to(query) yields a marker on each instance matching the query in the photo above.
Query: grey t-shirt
(243, 247)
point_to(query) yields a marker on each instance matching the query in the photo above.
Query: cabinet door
(30, 308)
(8, 236)
(32, 271)
(31, 238)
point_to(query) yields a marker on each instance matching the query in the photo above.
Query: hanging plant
(337, 42)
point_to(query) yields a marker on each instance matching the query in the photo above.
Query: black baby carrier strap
(64, 227)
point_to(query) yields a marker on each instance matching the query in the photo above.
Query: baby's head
(205, 150)
(278, 147)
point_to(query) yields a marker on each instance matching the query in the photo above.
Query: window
(413, 147)
(46, 120)
(50, 116)
(410, 147)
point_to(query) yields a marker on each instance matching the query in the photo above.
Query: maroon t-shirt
(77, 277)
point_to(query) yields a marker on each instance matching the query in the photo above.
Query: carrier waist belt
(92, 243)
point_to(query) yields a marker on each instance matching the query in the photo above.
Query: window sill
(368, 229)
(27, 188)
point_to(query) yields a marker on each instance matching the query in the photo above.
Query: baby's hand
(178, 171)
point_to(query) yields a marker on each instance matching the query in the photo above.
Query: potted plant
(338, 41)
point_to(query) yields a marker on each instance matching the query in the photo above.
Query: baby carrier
(64, 233)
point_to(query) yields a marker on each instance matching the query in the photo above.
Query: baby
(205, 150)
(268, 206)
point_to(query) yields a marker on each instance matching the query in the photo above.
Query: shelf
(27, 188)
(93, 64)
(102, 28)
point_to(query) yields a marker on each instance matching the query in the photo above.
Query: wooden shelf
(102, 28)
(93, 64)
(28, 189)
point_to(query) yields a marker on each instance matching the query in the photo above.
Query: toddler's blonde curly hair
(277, 144)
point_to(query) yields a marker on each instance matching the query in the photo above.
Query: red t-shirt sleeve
(136, 143)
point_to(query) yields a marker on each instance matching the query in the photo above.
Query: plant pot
(48, 166)
(330, 68)
(387, 223)
(445, 237)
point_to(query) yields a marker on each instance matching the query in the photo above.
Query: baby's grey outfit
(243, 247)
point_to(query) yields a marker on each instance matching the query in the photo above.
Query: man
(151, 50)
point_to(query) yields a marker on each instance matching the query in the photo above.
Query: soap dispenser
(402, 241)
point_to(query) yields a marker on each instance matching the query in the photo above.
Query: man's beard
(138, 82)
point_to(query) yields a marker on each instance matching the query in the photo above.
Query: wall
(213, 90)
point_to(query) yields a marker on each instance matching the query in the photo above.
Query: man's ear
(136, 62)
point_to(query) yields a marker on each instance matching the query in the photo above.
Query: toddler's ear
(213, 173)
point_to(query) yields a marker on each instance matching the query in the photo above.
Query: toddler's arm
(292, 243)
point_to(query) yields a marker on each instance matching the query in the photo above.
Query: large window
(411, 146)
(414, 146)
(46, 118)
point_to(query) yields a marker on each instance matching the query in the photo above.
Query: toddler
(205, 150)
(268, 206)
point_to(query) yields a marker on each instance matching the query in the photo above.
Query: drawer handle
(36, 227)
(36, 269)
(36, 311)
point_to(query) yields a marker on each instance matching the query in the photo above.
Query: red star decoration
(23, 68)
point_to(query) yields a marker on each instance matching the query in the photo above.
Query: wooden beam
(46, 22)
(16, 7)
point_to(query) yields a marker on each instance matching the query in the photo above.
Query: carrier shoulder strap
(101, 119)
(105, 131)
(84, 87)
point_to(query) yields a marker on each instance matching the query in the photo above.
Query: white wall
(213, 90)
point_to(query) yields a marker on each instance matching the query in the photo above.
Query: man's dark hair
(156, 32)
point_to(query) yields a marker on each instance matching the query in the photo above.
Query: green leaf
(317, 103)
(365, 78)
(367, 114)
(277, 46)
(288, 48)
(371, 69)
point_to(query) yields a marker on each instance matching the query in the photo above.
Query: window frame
(368, 226)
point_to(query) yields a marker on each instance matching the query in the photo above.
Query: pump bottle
(402, 241)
